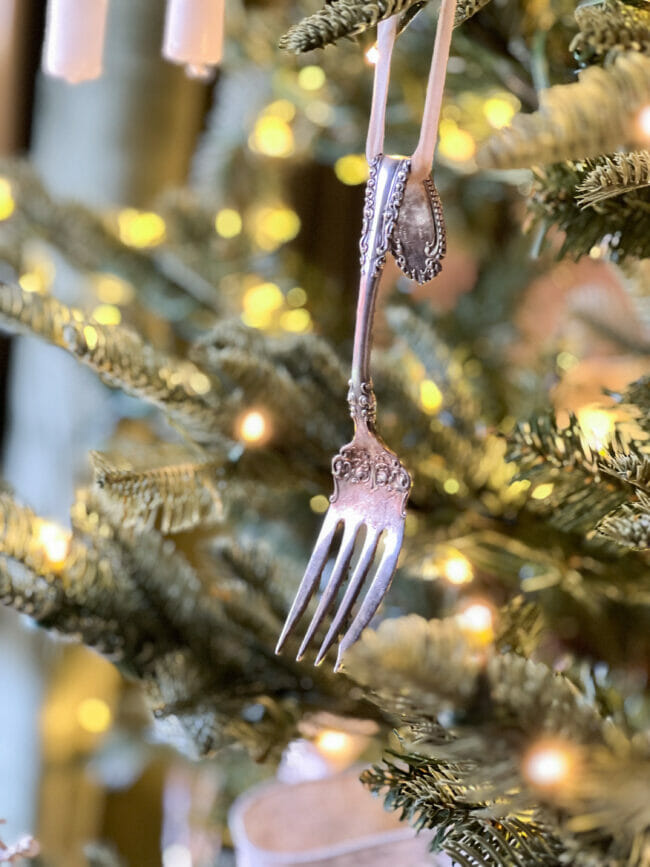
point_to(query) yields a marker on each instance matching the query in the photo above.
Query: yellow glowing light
(597, 426)
(332, 743)
(228, 223)
(199, 382)
(455, 144)
(499, 111)
(319, 504)
(296, 297)
(477, 619)
(457, 569)
(112, 290)
(91, 337)
(260, 303)
(547, 764)
(451, 486)
(282, 108)
(644, 121)
(320, 112)
(311, 78)
(176, 855)
(7, 203)
(372, 55)
(140, 229)
(53, 542)
(94, 715)
(253, 427)
(352, 169)
(107, 314)
(541, 492)
(272, 136)
(275, 226)
(566, 360)
(32, 282)
(430, 396)
(297, 321)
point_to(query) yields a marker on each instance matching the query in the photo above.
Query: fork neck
(384, 194)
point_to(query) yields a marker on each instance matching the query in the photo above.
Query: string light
(311, 78)
(140, 229)
(272, 136)
(430, 396)
(451, 486)
(644, 121)
(107, 314)
(597, 426)
(548, 764)
(351, 169)
(274, 226)
(228, 223)
(457, 569)
(372, 55)
(477, 620)
(53, 542)
(541, 492)
(111, 289)
(455, 144)
(94, 715)
(31, 281)
(296, 321)
(254, 428)
(7, 202)
(499, 110)
(260, 303)
(319, 504)
(296, 297)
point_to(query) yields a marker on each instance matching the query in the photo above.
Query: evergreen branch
(632, 467)
(638, 395)
(595, 115)
(610, 27)
(353, 17)
(180, 496)
(32, 313)
(622, 173)
(620, 222)
(629, 525)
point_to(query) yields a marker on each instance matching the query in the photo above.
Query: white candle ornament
(74, 39)
(194, 34)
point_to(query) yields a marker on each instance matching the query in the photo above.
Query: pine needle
(610, 27)
(595, 115)
(622, 173)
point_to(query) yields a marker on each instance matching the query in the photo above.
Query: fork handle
(384, 194)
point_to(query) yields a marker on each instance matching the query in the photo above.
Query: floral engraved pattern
(356, 465)
(363, 404)
(372, 261)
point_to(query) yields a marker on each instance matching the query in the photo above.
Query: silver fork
(402, 214)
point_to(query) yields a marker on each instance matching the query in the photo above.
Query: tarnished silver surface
(371, 486)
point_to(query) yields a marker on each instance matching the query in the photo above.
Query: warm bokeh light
(597, 425)
(274, 226)
(455, 144)
(548, 764)
(140, 229)
(91, 337)
(228, 223)
(260, 303)
(176, 855)
(372, 55)
(107, 314)
(644, 121)
(31, 281)
(311, 78)
(477, 619)
(53, 542)
(111, 289)
(332, 743)
(94, 715)
(297, 321)
(254, 428)
(351, 169)
(451, 486)
(430, 396)
(541, 492)
(499, 110)
(272, 136)
(296, 297)
(198, 382)
(7, 203)
(457, 569)
(319, 504)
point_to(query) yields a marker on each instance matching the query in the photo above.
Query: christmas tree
(511, 653)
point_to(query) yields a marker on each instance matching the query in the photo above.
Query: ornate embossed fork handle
(402, 214)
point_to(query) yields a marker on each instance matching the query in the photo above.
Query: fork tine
(350, 532)
(351, 591)
(311, 577)
(375, 594)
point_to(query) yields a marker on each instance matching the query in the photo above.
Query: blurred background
(245, 192)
